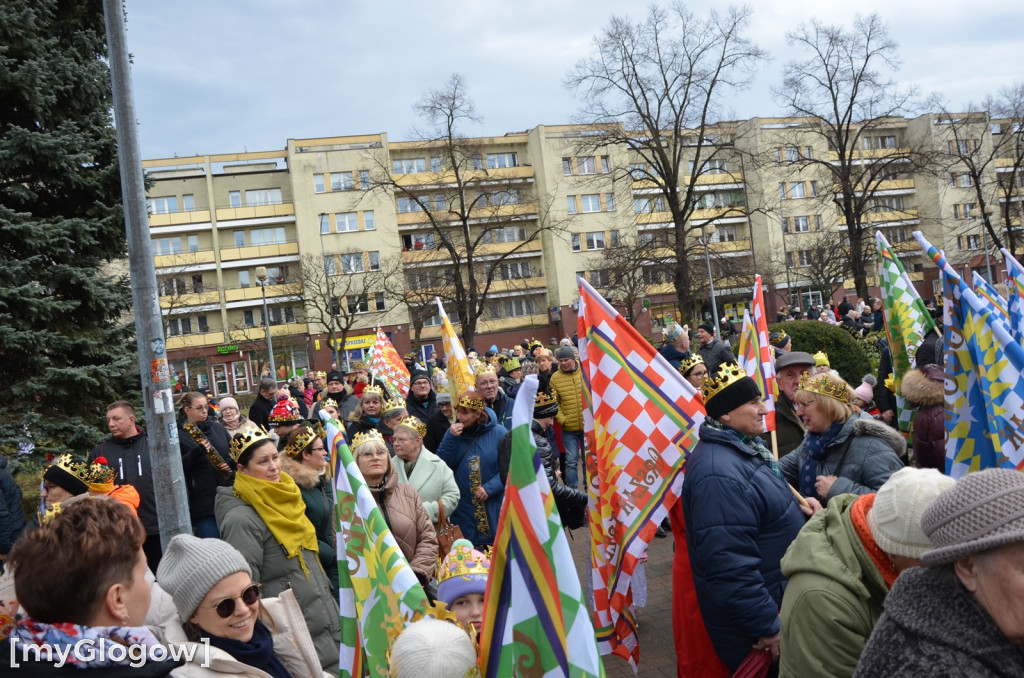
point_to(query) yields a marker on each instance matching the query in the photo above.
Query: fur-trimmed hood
(304, 476)
(868, 426)
(922, 391)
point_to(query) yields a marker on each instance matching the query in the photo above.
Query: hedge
(845, 354)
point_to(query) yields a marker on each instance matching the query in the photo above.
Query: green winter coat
(242, 527)
(318, 495)
(834, 597)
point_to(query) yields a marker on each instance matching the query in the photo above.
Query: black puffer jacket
(571, 503)
(130, 456)
(202, 478)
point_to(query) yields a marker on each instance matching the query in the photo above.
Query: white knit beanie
(191, 566)
(895, 518)
(431, 648)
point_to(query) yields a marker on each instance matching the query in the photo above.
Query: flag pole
(775, 453)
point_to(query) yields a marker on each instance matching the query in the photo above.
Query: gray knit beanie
(564, 353)
(191, 566)
(980, 512)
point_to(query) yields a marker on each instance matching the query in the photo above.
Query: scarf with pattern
(753, 443)
(816, 445)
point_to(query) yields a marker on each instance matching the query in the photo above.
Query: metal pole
(162, 429)
(711, 283)
(266, 325)
(984, 244)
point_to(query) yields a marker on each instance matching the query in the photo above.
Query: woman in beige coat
(222, 624)
(400, 504)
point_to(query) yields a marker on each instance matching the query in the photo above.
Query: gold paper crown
(689, 363)
(480, 367)
(329, 402)
(543, 400)
(464, 561)
(322, 374)
(776, 337)
(358, 365)
(512, 364)
(101, 473)
(467, 403)
(726, 376)
(415, 424)
(362, 438)
(821, 358)
(238, 446)
(79, 469)
(51, 513)
(373, 388)
(295, 447)
(392, 404)
(820, 384)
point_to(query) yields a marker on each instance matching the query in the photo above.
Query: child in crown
(462, 581)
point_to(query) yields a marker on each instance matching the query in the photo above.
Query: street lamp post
(984, 244)
(711, 283)
(261, 275)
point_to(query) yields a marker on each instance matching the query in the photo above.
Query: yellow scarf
(281, 507)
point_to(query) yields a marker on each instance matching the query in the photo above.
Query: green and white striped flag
(907, 321)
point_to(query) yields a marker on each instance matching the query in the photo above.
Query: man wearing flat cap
(789, 429)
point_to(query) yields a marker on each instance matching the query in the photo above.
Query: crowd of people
(832, 554)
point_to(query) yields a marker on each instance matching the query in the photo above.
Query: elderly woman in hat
(963, 614)
(264, 516)
(400, 505)
(470, 448)
(232, 419)
(63, 479)
(740, 517)
(676, 348)
(844, 451)
(420, 468)
(305, 460)
(218, 604)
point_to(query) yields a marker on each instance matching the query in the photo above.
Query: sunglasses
(226, 607)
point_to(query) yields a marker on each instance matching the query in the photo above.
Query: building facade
(338, 235)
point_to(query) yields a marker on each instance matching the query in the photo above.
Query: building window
(716, 166)
(501, 160)
(239, 238)
(504, 234)
(962, 146)
(364, 179)
(168, 245)
(190, 202)
(267, 236)
(263, 196)
(648, 205)
(325, 224)
(511, 307)
(886, 141)
(378, 302)
(247, 319)
(800, 258)
(357, 304)
(801, 224)
(342, 181)
(600, 278)
(418, 241)
(435, 163)
(638, 171)
(586, 165)
(330, 266)
(613, 239)
(235, 198)
(277, 275)
(477, 161)
(595, 240)
(352, 263)
(244, 280)
(280, 315)
(368, 222)
(204, 326)
(609, 202)
(318, 184)
(575, 242)
(406, 205)
(164, 205)
(172, 286)
(374, 261)
(567, 166)
(570, 204)
(346, 222)
(507, 197)
(513, 270)
(724, 234)
(179, 326)
(965, 210)
(197, 284)
(961, 180)
(591, 203)
(408, 165)
(970, 242)
(193, 243)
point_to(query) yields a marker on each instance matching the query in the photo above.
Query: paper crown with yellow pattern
(322, 375)
(329, 402)
(305, 437)
(363, 437)
(286, 411)
(100, 473)
(469, 403)
(821, 358)
(374, 389)
(544, 406)
(392, 405)
(480, 367)
(823, 385)
(727, 375)
(240, 443)
(512, 364)
(462, 572)
(415, 424)
(728, 389)
(69, 473)
(689, 363)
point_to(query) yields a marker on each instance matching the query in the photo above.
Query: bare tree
(1008, 108)
(823, 258)
(628, 272)
(414, 289)
(340, 291)
(844, 97)
(480, 219)
(654, 87)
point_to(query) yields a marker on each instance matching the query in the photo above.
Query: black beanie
(707, 327)
(737, 393)
(335, 375)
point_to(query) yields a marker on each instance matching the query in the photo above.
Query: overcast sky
(220, 76)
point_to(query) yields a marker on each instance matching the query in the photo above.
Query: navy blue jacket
(12, 513)
(674, 356)
(740, 519)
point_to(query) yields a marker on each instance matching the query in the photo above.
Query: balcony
(195, 340)
(860, 155)
(180, 218)
(259, 251)
(258, 333)
(284, 209)
(482, 251)
(254, 292)
(183, 259)
(722, 178)
(478, 177)
(884, 216)
(514, 212)
(179, 301)
(485, 326)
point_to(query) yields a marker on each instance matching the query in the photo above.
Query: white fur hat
(431, 648)
(895, 518)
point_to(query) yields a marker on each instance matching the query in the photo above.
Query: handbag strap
(441, 520)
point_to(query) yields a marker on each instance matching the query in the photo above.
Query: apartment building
(342, 234)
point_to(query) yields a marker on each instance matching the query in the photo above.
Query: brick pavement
(657, 652)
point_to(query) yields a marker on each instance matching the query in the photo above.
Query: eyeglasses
(317, 449)
(226, 607)
(803, 405)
